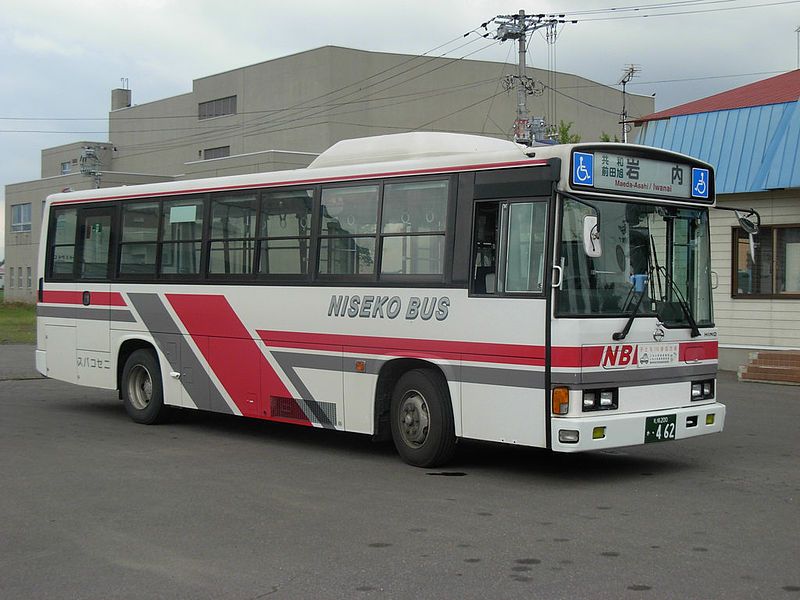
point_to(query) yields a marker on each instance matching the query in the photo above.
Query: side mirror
(591, 237)
(747, 225)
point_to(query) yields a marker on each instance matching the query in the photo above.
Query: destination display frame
(641, 172)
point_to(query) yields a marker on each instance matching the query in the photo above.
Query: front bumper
(628, 429)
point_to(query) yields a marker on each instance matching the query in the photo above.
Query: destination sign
(636, 175)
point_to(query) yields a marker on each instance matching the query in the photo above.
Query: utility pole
(797, 31)
(629, 73)
(517, 27)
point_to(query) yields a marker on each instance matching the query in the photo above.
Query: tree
(563, 135)
(605, 137)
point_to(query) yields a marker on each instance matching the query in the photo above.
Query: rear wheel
(422, 419)
(142, 392)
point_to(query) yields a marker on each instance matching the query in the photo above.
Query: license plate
(659, 429)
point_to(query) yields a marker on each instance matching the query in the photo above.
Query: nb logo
(619, 357)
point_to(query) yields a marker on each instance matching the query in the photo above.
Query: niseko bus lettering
(389, 307)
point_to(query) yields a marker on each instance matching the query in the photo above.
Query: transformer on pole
(517, 27)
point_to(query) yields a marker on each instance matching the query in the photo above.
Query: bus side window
(62, 243)
(484, 252)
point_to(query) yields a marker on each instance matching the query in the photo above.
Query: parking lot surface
(206, 506)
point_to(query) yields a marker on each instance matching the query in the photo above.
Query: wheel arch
(128, 347)
(388, 377)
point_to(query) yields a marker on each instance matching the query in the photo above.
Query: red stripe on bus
(478, 351)
(518, 354)
(97, 298)
(230, 351)
(456, 169)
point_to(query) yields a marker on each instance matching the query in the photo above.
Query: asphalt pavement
(208, 506)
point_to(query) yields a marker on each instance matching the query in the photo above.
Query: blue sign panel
(583, 169)
(700, 183)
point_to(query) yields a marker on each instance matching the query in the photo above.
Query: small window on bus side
(486, 234)
(233, 234)
(285, 232)
(138, 239)
(181, 235)
(62, 251)
(413, 228)
(349, 222)
(527, 225)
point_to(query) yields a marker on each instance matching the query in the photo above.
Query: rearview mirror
(591, 237)
(747, 225)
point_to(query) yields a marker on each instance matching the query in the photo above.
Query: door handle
(560, 270)
(87, 298)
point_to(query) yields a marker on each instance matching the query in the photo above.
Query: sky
(62, 59)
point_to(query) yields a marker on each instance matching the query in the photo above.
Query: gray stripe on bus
(634, 376)
(504, 377)
(164, 330)
(86, 313)
(468, 374)
(289, 361)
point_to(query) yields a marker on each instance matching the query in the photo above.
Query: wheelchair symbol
(700, 189)
(582, 171)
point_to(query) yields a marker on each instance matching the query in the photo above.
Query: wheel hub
(414, 418)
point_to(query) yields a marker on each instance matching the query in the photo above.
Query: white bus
(423, 287)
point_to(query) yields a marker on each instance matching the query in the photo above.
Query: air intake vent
(286, 408)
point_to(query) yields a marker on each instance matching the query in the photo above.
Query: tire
(142, 392)
(422, 419)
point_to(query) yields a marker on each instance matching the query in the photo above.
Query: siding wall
(743, 322)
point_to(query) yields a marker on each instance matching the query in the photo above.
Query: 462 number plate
(659, 429)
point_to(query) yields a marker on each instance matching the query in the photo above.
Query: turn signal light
(560, 400)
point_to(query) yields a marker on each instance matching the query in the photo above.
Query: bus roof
(415, 153)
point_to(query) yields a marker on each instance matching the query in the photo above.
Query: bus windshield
(653, 261)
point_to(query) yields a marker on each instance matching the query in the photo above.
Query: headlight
(605, 399)
(703, 390)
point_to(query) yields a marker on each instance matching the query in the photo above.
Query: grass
(17, 322)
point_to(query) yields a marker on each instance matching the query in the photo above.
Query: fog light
(710, 419)
(606, 399)
(697, 391)
(589, 398)
(598, 433)
(568, 436)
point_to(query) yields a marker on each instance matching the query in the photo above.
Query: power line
(691, 12)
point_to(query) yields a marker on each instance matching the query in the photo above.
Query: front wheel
(142, 392)
(422, 419)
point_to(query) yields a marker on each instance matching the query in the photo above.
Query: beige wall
(256, 162)
(744, 323)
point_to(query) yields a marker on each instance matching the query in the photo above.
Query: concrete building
(281, 113)
(751, 135)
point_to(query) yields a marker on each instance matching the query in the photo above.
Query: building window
(220, 152)
(21, 217)
(776, 270)
(65, 168)
(28, 272)
(19, 278)
(216, 108)
(11, 277)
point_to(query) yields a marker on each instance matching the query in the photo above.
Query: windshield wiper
(621, 335)
(681, 302)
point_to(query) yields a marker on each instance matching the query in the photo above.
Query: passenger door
(95, 257)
